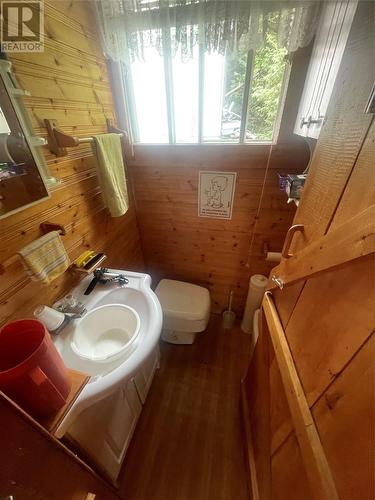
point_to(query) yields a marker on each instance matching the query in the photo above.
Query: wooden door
(316, 417)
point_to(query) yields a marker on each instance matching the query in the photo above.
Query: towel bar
(47, 227)
(58, 141)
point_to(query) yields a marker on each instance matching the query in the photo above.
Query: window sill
(220, 144)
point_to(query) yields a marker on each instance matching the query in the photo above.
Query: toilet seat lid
(183, 300)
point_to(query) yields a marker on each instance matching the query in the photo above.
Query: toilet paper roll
(273, 257)
(257, 287)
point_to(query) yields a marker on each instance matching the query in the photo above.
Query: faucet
(67, 309)
(103, 275)
(71, 306)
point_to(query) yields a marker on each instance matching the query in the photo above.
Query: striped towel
(45, 258)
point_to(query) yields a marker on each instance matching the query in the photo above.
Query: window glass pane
(186, 94)
(266, 87)
(235, 72)
(224, 78)
(150, 99)
(213, 96)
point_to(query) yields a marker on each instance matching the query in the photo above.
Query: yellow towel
(45, 258)
(111, 173)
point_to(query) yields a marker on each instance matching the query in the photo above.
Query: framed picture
(216, 194)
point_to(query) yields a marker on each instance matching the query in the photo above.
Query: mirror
(21, 181)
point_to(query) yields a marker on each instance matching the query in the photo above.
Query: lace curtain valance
(128, 26)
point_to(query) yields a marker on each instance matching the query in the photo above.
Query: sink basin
(110, 374)
(106, 332)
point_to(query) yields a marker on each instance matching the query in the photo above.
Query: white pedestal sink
(106, 333)
(112, 375)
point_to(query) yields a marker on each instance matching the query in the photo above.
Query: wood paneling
(256, 390)
(329, 318)
(344, 417)
(68, 82)
(360, 190)
(313, 456)
(339, 324)
(345, 130)
(289, 480)
(345, 301)
(280, 419)
(290, 296)
(218, 254)
(351, 240)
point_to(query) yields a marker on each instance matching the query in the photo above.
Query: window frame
(168, 78)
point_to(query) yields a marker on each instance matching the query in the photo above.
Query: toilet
(186, 310)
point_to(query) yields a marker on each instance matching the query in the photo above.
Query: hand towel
(111, 173)
(45, 258)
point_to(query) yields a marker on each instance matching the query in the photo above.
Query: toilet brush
(229, 316)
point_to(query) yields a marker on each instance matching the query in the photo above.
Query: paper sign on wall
(216, 193)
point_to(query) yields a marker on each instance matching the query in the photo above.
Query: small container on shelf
(283, 179)
(88, 262)
(294, 185)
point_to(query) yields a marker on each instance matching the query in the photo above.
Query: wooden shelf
(79, 380)
(90, 269)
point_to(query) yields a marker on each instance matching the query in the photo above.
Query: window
(200, 71)
(209, 97)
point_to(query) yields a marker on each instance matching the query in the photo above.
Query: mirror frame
(15, 94)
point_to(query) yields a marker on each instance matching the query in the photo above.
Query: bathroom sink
(115, 356)
(106, 332)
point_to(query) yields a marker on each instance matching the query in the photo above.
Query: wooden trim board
(55, 442)
(249, 449)
(351, 240)
(78, 380)
(315, 461)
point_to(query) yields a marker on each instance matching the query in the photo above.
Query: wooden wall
(68, 82)
(328, 319)
(332, 326)
(218, 254)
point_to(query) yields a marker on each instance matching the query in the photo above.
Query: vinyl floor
(188, 441)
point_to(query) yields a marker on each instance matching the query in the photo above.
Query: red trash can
(32, 372)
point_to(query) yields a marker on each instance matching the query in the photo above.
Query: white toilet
(186, 310)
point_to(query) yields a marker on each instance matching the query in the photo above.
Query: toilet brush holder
(229, 316)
